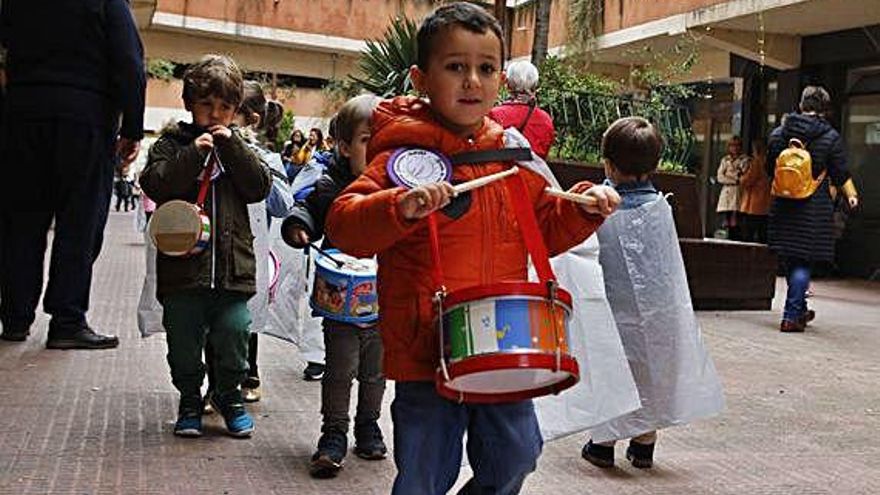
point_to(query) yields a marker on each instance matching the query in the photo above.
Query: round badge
(413, 167)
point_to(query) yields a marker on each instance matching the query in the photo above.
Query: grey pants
(351, 352)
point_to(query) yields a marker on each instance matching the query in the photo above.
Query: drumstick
(339, 264)
(478, 182)
(482, 181)
(577, 198)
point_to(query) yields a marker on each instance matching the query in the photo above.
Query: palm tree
(385, 64)
(542, 30)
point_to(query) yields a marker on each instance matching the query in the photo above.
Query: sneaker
(640, 455)
(239, 423)
(313, 372)
(327, 461)
(368, 442)
(250, 389)
(598, 455)
(788, 326)
(189, 418)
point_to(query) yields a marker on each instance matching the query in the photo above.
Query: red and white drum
(505, 342)
(180, 228)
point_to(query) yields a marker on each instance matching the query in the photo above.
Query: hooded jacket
(802, 228)
(172, 172)
(480, 241)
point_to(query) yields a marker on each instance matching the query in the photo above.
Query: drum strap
(528, 225)
(206, 180)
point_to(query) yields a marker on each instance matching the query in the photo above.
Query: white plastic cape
(606, 389)
(647, 288)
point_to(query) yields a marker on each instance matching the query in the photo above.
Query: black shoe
(81, 337)
(368, 442)
(327, 461)
(598, 455)
(313, 372)
(14, 333)
(641, 455)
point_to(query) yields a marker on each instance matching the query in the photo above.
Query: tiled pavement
(803, 412)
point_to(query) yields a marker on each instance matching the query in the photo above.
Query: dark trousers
(351, 352)
(193, 317)
(754, 228)
(62, 170)
(253, 374)
(503, 442)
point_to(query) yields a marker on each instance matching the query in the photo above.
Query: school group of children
(358, 208)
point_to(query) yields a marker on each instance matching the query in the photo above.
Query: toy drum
(274, 271)
(345, 293)
(180, 228)
(505, 342)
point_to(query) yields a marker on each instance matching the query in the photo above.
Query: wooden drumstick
(577, 198)
(482, 181)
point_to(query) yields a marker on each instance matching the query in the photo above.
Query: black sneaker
(640, 454)
(368, 442)
(327, 461)
(313, 372)
(598, 455)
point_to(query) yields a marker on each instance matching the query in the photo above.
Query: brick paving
(803, 412)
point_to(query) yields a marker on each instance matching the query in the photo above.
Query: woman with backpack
(804, 154)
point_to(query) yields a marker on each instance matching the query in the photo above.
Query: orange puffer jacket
(483, 245)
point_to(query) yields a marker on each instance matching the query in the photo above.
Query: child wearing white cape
(647, 288)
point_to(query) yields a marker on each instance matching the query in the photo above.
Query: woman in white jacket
(733, 166)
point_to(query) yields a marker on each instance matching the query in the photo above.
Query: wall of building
(356, 19)
(523, 28)
(621, 14)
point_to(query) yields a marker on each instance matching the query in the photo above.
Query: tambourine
(180, 228)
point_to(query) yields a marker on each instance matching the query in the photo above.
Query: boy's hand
(607, 199)
(298, 236)
(424, 200)
(205, 142)
(220, 132)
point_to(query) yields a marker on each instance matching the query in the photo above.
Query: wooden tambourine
(180, 228)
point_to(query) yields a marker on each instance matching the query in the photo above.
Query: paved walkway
(803, 412)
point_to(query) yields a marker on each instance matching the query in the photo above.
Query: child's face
(211, 110)
(356, 151)
(462, 78)
(313, 137)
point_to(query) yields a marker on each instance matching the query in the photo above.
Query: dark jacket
(80, 60)
(311, 213)
(802, 228)
(172, 171)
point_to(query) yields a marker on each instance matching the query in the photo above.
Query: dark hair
(331, 127)
(632, 145)
(301, 135)
(352, 113)
(469, 16)
(320, 142)
(815, 99)
(270, 111)
(213, 75)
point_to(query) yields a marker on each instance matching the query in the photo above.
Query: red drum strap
(528, 225)
(206, 180)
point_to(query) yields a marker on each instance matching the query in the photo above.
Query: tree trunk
(501, 15)
(542, 30)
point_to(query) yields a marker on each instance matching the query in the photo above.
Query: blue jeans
(798, 282)
(503, 445)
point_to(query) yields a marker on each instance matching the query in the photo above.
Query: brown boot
(789, 326)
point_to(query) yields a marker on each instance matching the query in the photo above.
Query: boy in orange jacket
(460, 56)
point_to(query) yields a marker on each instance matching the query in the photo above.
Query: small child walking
(647, 289)
(204, 296)
(352, 351)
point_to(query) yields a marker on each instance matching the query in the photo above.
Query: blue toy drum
(345, 288)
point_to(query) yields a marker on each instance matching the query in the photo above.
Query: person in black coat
(75, 98)
(800, 230)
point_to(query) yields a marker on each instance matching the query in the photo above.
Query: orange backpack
(793, 175)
